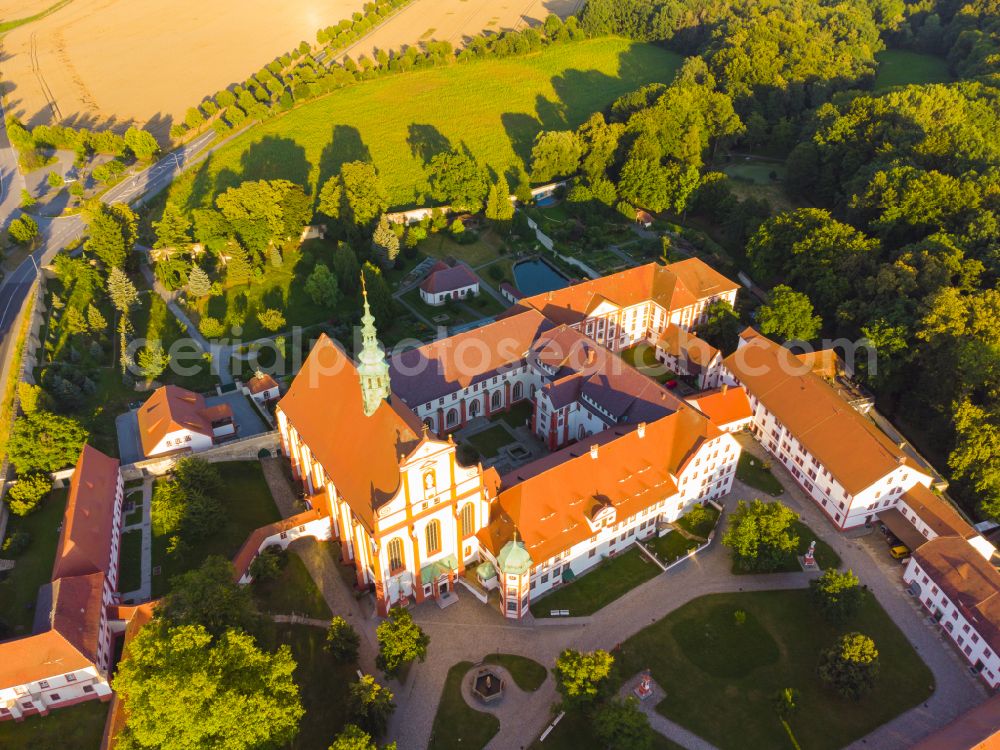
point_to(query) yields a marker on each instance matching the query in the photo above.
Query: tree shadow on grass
(270, 158)
(345, 146)
(521, 130)
(426, 142)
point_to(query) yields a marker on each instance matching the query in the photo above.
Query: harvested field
(116, 62)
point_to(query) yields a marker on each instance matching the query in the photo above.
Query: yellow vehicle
(900, 551)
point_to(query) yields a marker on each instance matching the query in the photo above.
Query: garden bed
(458, 726)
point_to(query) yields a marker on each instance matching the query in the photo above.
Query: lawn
(458, 726)
(751, 471)
(671, 546)
(292, 592)
(483, 250)
(825, 555)
(19, 590)
(324, 685)
(518, 415)
(527, 673)
(897, 67)
(248, 505)
(130, 562)
(492, 108)
(642, 357)
(80, 727)
(704, 526)
(491, 440)
(721, 677)
(600, 586)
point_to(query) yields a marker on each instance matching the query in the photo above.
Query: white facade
(439, 298)
(969, 641)
(59, 690)
(185, 439)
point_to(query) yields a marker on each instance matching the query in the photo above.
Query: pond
(533, 277)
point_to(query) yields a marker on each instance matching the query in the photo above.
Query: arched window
(518, 391)
(429, 421)
(474, 407)
(452, 417)
(395, 552)
(496, 400)
(468, 520)
(580, 433)
(432, 535)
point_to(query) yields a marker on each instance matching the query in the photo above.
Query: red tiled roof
(846, 442)
(937, 512)
(674, 286)
(217, 413)
(967, 579)
(248, 551)
(722, 405)
(361, 453)
(442, 367)
(549, 500)
(169, 409)
(685, 345)
(445, 278)
(976, 729)
(88, 525)
(261, 382)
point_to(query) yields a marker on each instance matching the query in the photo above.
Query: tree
(621, 725)
(364, 196)
(342, 640)
(370, 705)
(182, 688)
(386, 240)
(323, 287)
(581, 677)
(498, 204)
(789, 315)
(210, 598)
(54, 180)
(456, 178)
(760, 536)
(238, 268)
(24, 495)
(23, 229)
(173, 229)
(722, 326)
(379, 293)
(353, 737)
(975, 460)
(850, 666)
(838, 595)
(153, 360)
(271, 319)
(786, 702)
(30, 397)
(141, 143)
(122, 291)
(113, 231)
(27, 199)
(267, 565)
(346, 268)
(400, 640)
(95, 319)
(330, 197)
(43, 441)
(255, 211)
(556, 153)
(198, 283)
(212, 328)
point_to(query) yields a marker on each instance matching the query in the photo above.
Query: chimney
(642, 429)
(593, 451)
(902, 460)
(590, 356)
(725, 387)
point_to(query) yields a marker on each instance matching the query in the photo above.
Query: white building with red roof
(176, 420)
(448, 281)
(67, 658)
(262, 388)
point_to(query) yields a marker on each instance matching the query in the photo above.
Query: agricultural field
(493, 108)
(99, 62)
(897, 67)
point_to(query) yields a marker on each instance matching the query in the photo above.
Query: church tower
(372, 367)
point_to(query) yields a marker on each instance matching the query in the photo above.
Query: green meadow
(493, 108)
(898, 67)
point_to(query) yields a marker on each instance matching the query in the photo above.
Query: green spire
(372, 367)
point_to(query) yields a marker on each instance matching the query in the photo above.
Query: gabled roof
(722, 405)
(967, 579)
(261, 382)
(846, 442)
(683, 344)
(442, 367)
(672, 287)
(168, 410)
(360, 453)
(88, 524)
(248, 550)
(937, 513)
(68, 640)
(549, 500)
(445, 278)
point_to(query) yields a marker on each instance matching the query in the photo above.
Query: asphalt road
(56, 233)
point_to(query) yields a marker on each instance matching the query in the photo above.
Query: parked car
(671, 384)
(899, 551)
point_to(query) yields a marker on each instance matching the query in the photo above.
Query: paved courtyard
(470, 630)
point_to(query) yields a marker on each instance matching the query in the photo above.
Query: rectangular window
(71, 677)
(54, 697)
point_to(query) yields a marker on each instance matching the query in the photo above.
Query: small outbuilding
(445, 281)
